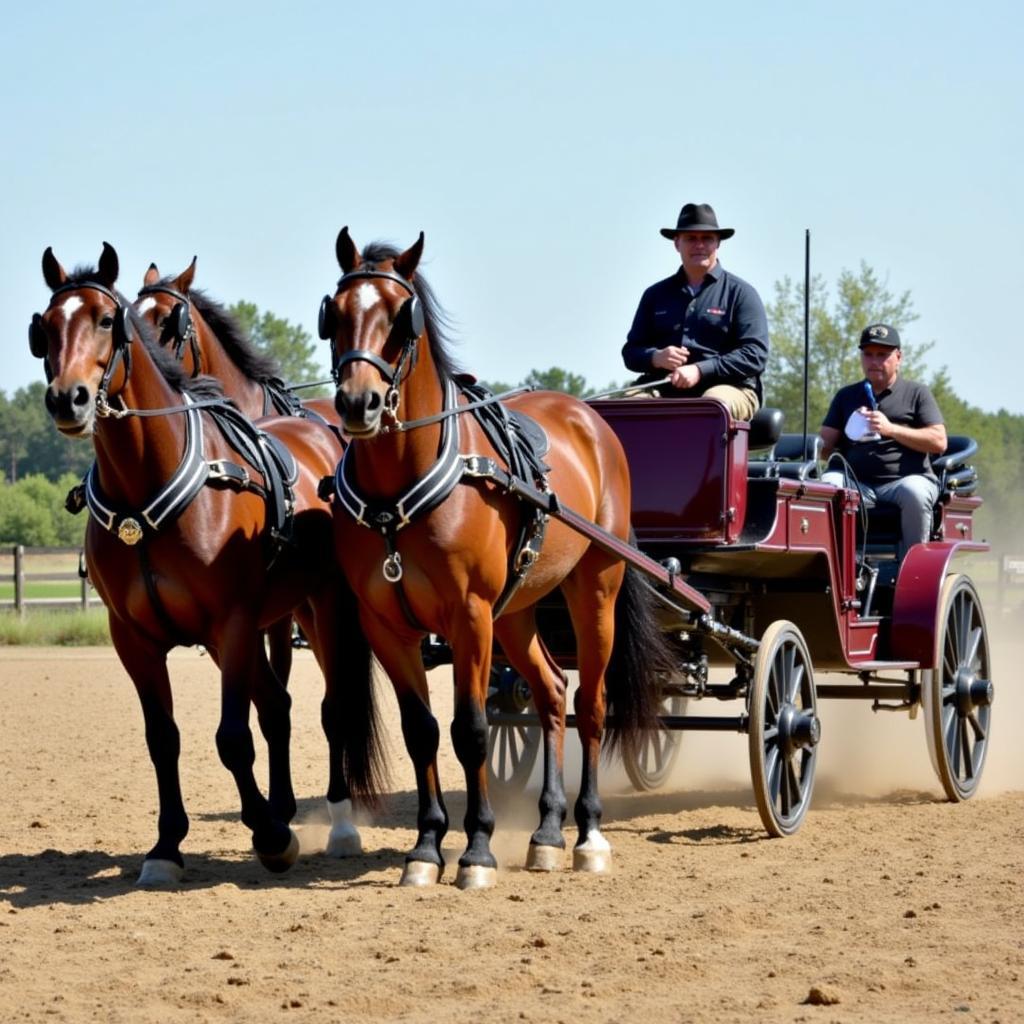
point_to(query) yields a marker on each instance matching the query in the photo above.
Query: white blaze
(70, 305)
(367, 297)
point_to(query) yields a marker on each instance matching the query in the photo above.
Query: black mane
(438, 324)
(169, 367)
(242, 352)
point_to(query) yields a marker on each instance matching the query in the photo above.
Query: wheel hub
(798, 728)
(972, 692)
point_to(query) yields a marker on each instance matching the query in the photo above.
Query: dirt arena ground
(888, 905)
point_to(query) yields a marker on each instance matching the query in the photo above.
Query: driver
(886, 427)
(703, 327)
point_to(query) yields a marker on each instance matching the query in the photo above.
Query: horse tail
(641, 660)
(363, 759)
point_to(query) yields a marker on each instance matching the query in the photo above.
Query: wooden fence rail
(22, 556)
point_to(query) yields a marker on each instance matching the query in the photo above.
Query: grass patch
(55, 628)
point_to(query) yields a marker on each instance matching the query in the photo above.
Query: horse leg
(279, 646)
(339, 647)
(273, 712)
(471, 643)
(401, 659)
(591, 598)
(243, 670)
(147, 666)
(527, 654)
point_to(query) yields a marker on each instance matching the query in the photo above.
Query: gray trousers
(915, 495)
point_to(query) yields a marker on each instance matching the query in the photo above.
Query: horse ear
(183, 282)
(407, 263)
(108, 265)
(346, 251)
(152, 276)
(53, 273)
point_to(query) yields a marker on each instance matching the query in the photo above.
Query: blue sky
(539, 146)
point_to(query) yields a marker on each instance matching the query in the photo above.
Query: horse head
(373, 322)
(84, 337)
(167, 307)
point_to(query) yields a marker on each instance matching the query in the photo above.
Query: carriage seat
(765, 429)
(956, 477)
(793, 456)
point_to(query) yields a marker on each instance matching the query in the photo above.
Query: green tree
(29, 442)
(32, 512)
(288, 344)
(553, 379)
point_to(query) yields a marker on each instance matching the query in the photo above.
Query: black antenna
(807, 325)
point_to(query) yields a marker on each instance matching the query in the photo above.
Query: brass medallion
(130, 531)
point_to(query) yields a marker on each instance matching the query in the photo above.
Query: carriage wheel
(659, 751)
(784, 729)
(957, 693)
(511, 748)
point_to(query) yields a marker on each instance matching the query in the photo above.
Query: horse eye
(107, 322)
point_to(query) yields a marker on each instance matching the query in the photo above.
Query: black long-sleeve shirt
(724, 326)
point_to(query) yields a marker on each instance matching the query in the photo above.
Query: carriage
(761, 568)
(643, 543)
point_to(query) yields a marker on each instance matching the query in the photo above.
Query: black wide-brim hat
(697, 217)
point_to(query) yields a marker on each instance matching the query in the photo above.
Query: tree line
(36, 460)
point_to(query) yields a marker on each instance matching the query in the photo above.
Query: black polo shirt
(724, 326)
(906, 403)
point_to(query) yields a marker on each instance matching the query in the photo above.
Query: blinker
(325, 321)
(37, 340)
(181, 320)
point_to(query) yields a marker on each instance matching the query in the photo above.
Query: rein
(400, 426)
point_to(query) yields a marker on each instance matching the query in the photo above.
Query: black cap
(880, 334)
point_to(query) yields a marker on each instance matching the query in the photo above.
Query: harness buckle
(229, 472)
(478, 466)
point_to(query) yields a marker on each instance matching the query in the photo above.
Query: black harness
(519, 442)
(268, 456)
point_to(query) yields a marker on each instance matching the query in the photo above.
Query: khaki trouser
(742, 403)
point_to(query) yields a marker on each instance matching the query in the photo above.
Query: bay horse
(195, 540)
(442, 551)
(208, 340)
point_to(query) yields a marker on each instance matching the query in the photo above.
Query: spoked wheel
(657, 755)
(784, 729)
(957, 693)
(513, 735)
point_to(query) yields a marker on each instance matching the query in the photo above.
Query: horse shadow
(83, 877)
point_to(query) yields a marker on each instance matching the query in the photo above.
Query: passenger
(703, 327)
(886, 427)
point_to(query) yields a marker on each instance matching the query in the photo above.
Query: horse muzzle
(360, 410)
(72, 408)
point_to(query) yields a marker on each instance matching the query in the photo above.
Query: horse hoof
(420, 873)
(279, 862)
(343, 840)
(476, 876)
(595, 855)
(545, 858)
(158, 874)
(344, 843)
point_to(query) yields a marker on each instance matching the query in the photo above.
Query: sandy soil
(888, 905)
